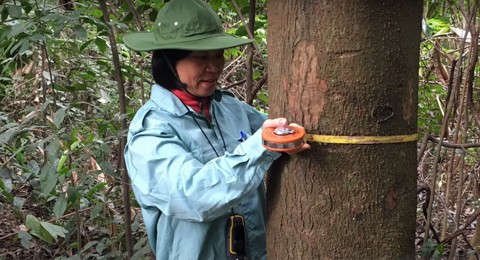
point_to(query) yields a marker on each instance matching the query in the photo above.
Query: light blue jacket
(185, 191)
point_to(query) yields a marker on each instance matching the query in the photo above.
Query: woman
(197, 178)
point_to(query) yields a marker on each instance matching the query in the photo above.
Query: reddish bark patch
(304, 88)
(391, 200)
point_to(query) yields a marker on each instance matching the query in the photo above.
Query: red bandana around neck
(196, 103)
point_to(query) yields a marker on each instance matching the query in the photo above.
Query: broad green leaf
(101, 44)
(7, 126)
(96, 210)
(7, 184)
(60, 205)
(72, 193)
(37, 230)
(88, 246)
(5, 173)
(14, 11)
(18, 202)
(141, 249)
(100, 247)
(79, 31)
(48, 178)
(24, 47)
(27, 7)
(58, 117)
(106, 167)
(85, 45)
(4, 14)
(18, 29)
(53, 148)
(54, 230)
(7, 135)
(25, 239)
(33, 167)
(4, 191)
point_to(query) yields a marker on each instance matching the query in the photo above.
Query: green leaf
(6, 136)
(24, 47)
(61, 162)
(5, 173)
(107, 167)
(8, 126)
(216, 4)
(101, 45)
(27, 8)
(58, 117)
(88, 246)
(7, 184)
(85, 45)
(79, 31)
(142, 249)
(25, 239)
(72, 193)
(37, 230)
(4, 191)
(257, 74)
(4, 15)
(54, 230)
(95, 189)
(48, 178)
(33, 167)
(18, 29)
(241, 31)
(96, 210)
(60, 205)
(14, 11)
(18, 202)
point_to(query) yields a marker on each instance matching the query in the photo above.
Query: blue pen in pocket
(243, 136)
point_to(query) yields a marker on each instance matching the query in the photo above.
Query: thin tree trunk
(250, 53)
(123, 140)
(346, 68)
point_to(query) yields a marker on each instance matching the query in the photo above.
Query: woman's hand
(277, 122)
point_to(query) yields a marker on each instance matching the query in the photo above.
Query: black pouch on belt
(236, 238)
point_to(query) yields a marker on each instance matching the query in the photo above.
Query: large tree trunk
(344, 68)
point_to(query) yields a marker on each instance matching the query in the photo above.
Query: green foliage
(433, 249)
(60, 126)
(430, 116)
(44, 230)
(60, 139)
(437, 26)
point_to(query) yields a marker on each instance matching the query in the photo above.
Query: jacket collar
(166, 100)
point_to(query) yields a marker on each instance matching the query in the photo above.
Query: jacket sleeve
(255, 117)
(166, 176)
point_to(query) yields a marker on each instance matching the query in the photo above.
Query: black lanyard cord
(218, 125)
(204, 134)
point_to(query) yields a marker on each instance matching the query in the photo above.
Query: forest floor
(11, 246)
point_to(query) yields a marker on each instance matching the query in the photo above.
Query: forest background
(69, 87)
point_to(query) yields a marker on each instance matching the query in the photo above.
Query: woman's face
(200, 71)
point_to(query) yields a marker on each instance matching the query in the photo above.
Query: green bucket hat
(184, 25)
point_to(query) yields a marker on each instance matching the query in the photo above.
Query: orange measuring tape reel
(283, 138)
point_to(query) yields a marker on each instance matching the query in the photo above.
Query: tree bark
(344, 68)
(123, 140)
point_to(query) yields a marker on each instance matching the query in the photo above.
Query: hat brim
(145, 41)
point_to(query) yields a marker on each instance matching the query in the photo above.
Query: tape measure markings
(333, 139)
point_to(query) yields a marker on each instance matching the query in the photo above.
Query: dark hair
(162, 73)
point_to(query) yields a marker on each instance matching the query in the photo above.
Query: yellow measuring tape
(333, 139)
